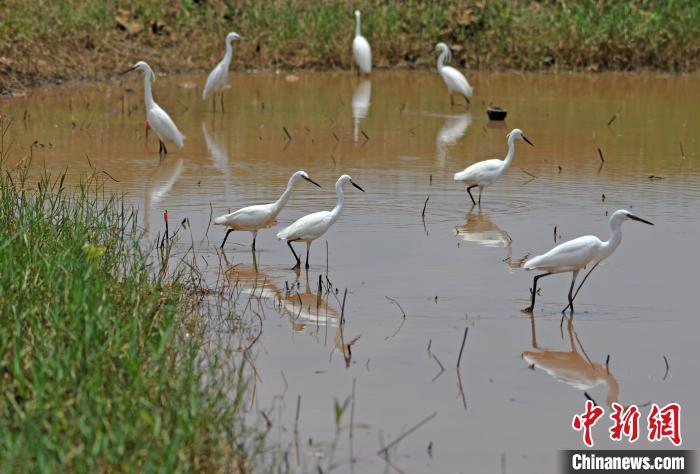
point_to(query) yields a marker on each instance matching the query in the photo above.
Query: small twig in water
(612, 119)
(667, 368)
(211, 214)
(464, 339)
(600, 153)
(267, 420)
(296, 418)
(385, 449)
(286, 132)
(527, 173)
(442, 368)
(403, 313)
(425, 204)
(607, 364)
(365, 135)
(682, 152)
(342, 308)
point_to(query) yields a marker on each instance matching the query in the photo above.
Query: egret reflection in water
(218, 151)
(452, 131)
(479, 228)
(360, 105)
(159, 183)
(572, 367)
(310, 309)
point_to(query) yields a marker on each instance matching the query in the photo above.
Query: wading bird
(157, 118)
(484, 173)
(312, 226)
(454, 80)
(261, 216)
(576, 254)
(218, 77)
(361, 49)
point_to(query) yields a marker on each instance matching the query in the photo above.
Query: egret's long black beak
(311, 181)
(357, 186)
(631, 216)
(528, 141)
(128, 70)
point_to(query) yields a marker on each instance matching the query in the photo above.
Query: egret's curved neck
(442, 58)
(279, 204)
(229, 53)
(357, 26)
(147, 93)
(511, 152)
(335, 213)
(615, 238)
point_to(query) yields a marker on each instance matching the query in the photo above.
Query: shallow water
(400, 139)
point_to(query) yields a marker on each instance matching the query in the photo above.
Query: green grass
(43, 39)
(95, 369)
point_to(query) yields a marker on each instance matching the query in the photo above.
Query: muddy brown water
(522, 379)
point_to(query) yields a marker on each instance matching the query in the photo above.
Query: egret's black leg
(469, 190)
(226, 237)
(579, 287)
(160, 147)
(534, 293)
(571, 290)
(481, 190)
(255, 236)
(452, 100)
(222, 102)
(308, 247)
(289, 243)
(467, 99)
(165, 150)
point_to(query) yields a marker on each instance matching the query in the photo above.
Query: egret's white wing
(216, 80)
(248, 217)
(456, 81)
(482, 171)
(164, 126)
(309, 227)
(569, 256)
(362, 53)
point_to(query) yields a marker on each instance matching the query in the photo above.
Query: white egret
(261, 216)
(218, 77)
(454, 80)
(576, 254)
(312, 226)
(361, 49)
(484, 173)
(157, 118)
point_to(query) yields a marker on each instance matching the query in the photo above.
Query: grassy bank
(96, 369)
(68, 39)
